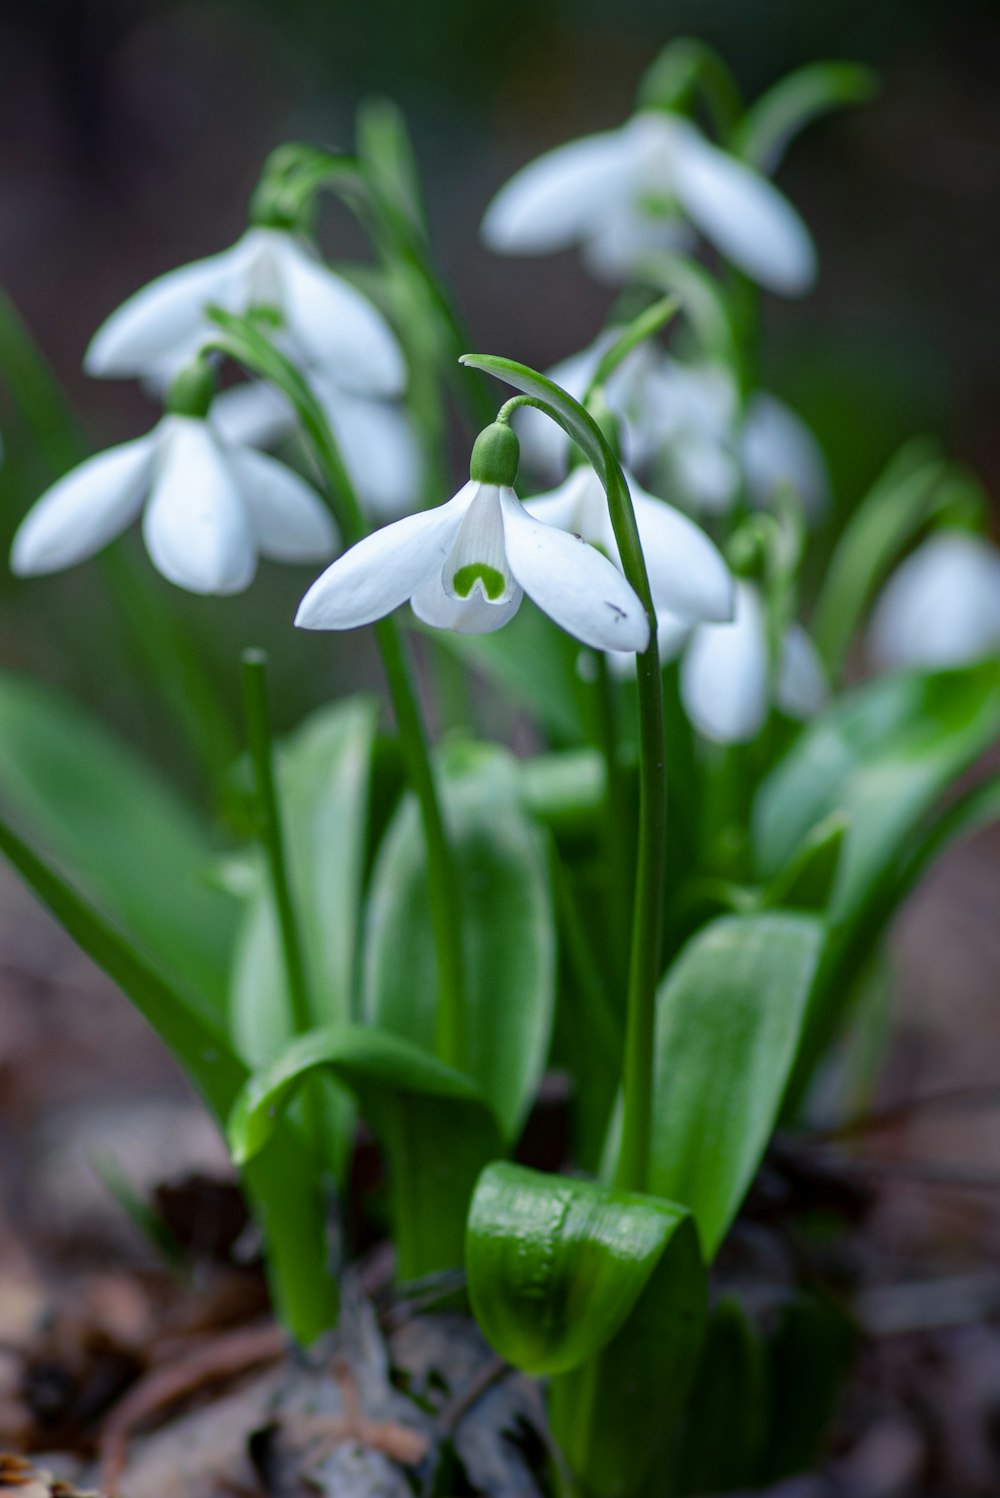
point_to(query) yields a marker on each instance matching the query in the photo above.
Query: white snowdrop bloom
(323, 320)
(375, 437)
(608, 191)
(941, 607)
(725, 674)
(777, 448)
(467, 564)
(687, 575)
(209, 509)
(687, 427)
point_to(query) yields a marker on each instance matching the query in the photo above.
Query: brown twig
(224, 1357)
(399, 1442)
(953, 1099)
(457, 1408)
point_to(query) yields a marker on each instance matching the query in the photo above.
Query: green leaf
(702, 300)
(386, 152)
(433, 1125)
(323, 780)
(807, 880)
(564, 791)
(603, 1289)
(881, 755)
(687, 65)
(127, 841)
(507, 921)
(902, 500)
(730, 1395)
(772, 121)
(729, 1019)
(285, 1195)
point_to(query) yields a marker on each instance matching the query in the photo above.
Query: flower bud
(495, 456)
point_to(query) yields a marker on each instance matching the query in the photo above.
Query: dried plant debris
(18, 1473)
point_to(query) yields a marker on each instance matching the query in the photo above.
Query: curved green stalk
(632, 1170)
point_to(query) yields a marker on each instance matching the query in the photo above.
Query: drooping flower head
(624, 193)
(209, 507)
(467, 564)
(941, 607)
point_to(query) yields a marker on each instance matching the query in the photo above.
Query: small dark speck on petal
(618, 613)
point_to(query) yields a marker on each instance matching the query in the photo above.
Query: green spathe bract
(604, 1291)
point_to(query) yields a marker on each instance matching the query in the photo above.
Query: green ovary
(466, 578)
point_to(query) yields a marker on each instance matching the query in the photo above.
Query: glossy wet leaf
(508, 928)
(433, 1126)
(730, 1015)
(605, 1292)
(124, 837)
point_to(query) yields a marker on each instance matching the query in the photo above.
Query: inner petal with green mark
(477, 563)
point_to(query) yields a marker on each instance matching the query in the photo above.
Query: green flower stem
(241, 341)
(161, 646)
(617, 842)
(632, 1170)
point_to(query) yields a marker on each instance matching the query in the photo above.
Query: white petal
(626, 236)
(337, 327)
(802, 681)
(560, 197)
(290, 522)
(477, 560)
(705, 472)
(469, 616)
(724, 674)
(687, 574)
(743, 214)
(672, 634)
(571, 582)
(385, 569)
(158, 328)
(253, 414)
(379, 448)
(196, 528)
(778, 448)
(84, 510)
(578, 504)
(942, 606)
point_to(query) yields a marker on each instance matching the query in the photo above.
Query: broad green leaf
(881, 755)
(126, 840)
(508, 932)
(386, 152)
(729, 1020)
(901, 501)
(534, 664)
(772, 121)
(565, 791)
(602, 1289)
(730, 1396)
(432, 1124)
(283, 1190)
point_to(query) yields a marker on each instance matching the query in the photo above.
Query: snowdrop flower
(688, 578)
(322, 320)
(209, 508)
(777, 449)
(725, 674)
(941, 607)
(375, 437)
(467, 564)
(621, 194)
